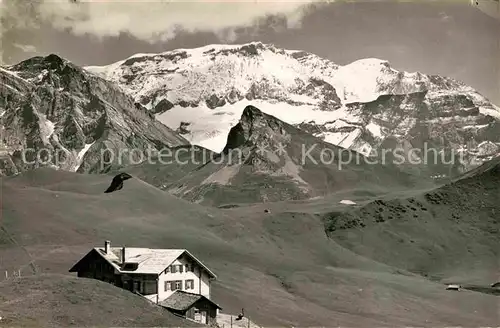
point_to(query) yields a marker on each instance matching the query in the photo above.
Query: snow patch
(366, 79)
(347, 202)
(375, 130)
(11, 73)
(106, 71)
(494, 112)
(81, 154)
(42, 75)
(46, 126)
(478, 126)
(485, 143)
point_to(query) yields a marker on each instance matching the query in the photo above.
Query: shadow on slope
(53, 300)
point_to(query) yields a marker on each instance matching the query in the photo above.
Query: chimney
(123, 254)
(107, 247)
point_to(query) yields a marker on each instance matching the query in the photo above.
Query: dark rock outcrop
(117, 182)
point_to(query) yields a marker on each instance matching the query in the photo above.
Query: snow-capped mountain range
(202, 92)
(49, 104)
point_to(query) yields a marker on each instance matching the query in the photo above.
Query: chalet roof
(182, 301)
(149, 261)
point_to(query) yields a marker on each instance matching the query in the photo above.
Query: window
(149, 288)
(130, 266)
(173, 285)
(189, 284)
(174, 268)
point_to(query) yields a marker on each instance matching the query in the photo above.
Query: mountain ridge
(268, 160)
(55, 113)
(203, 91)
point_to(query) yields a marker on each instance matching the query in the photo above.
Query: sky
(450, 38)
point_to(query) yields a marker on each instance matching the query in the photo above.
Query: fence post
(231, 321)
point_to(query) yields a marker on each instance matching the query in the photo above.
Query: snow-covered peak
(366, 79)
(186, 74)
(202, 92)
(193, 75)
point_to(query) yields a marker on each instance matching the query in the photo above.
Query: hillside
(279, 265)
(54, 113)
(450, 233)
(54, 300)
(267, 160)
(366, 106)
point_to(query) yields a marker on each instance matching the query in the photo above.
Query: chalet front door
(137, 286)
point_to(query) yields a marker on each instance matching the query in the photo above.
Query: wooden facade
(192, 306)
(96, 267)
(203, 311)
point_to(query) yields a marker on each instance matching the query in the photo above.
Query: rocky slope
(268, 160)
(366, 106)
(55, 113)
